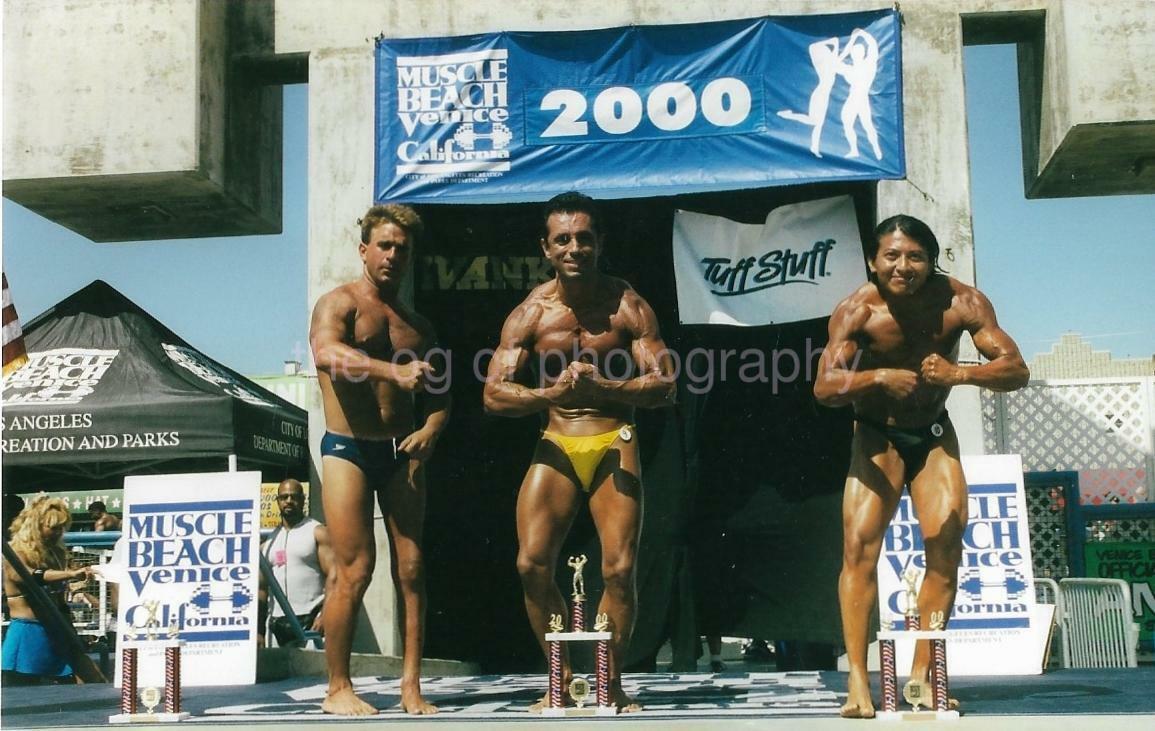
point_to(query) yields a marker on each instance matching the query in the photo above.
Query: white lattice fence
(1101, 428)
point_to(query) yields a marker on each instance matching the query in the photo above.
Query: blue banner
(640, 111)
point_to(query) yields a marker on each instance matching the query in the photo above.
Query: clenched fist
(896, 382)
(412, 376)
(939, 371)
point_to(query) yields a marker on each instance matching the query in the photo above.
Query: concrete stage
(1060, 699)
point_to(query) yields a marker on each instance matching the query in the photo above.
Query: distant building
(1072, 357)
(1086, 412)
(294, 385)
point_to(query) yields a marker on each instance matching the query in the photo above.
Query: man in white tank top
(299, 554)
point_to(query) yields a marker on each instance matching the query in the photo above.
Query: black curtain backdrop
(743, 481)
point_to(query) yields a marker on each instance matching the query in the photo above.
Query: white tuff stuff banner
(796, 266)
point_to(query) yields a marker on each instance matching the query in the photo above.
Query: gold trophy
(579, 688)
(151, 622)
(144, 636)
(930, 694)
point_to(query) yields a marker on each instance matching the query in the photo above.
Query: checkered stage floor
(1063, 699)
(495, 697)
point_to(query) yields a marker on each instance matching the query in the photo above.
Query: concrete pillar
(937, 184)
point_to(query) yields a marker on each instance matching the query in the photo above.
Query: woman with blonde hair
(30, 652)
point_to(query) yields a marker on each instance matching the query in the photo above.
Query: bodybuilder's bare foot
(344, 702)
(858, 702)
(536, 707)
(619, 698)
(566, 679)
(544, 703)
(853, 710)
(415, 705)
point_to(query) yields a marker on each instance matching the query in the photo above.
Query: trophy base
(577, 636)
(148, 717)
(916, 715)
(575, 711)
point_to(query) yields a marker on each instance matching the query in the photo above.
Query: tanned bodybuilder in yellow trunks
(581, 326)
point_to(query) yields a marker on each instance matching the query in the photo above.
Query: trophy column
(888, 671)
(603, 663)
(556, 627)
(128, 681)
(172, 677)
(938, 677)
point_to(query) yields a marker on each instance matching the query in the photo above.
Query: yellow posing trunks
(586, 453)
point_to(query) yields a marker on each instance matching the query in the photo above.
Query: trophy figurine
(145, 637)
(578, 600)
(910, 598)
(579, 689)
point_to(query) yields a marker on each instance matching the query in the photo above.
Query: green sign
(79, 500)
(1135, 564)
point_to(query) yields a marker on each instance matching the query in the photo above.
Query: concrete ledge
(279, 663)
(1115, 158)
(141, 126)
(141, 207)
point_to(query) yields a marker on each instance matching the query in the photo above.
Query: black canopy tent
(109, 391)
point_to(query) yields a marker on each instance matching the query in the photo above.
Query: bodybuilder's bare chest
(380, 333)
(897, 340)
(596, 332)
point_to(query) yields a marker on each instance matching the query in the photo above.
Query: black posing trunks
(912, 443)
(377, 459)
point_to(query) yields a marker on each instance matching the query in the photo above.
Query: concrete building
(1073, 357)
(293, 385)
(135, 121)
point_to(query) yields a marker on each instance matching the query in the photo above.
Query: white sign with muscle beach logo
(189, 567)
(58, 376)
(996, 627)
(797, 265)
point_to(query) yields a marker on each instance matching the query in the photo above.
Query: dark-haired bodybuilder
(892, 354)
(579, 327)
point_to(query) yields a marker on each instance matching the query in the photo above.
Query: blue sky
(1049, 266)
(240, 299)
(1054, 265)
